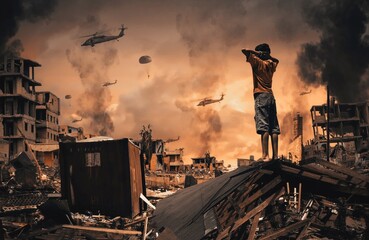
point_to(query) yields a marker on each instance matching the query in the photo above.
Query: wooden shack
(102, 177)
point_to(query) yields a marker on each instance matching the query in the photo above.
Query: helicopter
(98, 38)
(109, 83)
(207, 101)
(77, 120)
(306, 92)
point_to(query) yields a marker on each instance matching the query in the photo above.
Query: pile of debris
(270, 200)
(52, 219)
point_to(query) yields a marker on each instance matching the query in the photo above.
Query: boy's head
(264, 47)
(264, 50)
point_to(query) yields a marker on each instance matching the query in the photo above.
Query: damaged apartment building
(27, 118)
(348, 125)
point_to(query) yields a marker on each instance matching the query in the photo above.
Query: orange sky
(195, 47)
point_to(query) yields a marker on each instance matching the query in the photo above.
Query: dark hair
(264, 47)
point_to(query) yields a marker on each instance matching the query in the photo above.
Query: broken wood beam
(257, 209)
(313, 167)
(302, 234)
(286, 230)
(299, 201)
(342, 169)
(266, 188)
(255, 223)
(307, 174)
(106, 230)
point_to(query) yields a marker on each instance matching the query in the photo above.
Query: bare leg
(264, 146)
(275, 145)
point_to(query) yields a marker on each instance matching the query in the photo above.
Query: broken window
(21, 107)
(8, 128)
(9, 107)
(93, 159)
(9, 88)
(47, 97)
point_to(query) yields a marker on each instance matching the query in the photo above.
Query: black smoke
(13, 12)
(341, 57)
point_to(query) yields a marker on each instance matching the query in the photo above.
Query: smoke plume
(198, 24)
(12, 12)
(94, 102)
(341, 57)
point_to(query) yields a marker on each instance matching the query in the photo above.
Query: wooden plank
(322, 170)
(342, 169)
(145, 227)
(266, 188)
(303, 231)
(223, 215)
(257, 209)
(241, 190)
(265, 171)
(43, 231)
(307, 174)
(135, 222)
(333, 182)
(299, 201)
(255, 223)
(249, 186)
(107, 230)
(284, 231)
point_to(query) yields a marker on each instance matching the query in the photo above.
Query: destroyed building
(245, 161)
(4, 151)
(18, 102)
(70, 133)
(348, 130)
(295, 147)
(207, 162)
(47, 127)
(173, 160)
(26, 116)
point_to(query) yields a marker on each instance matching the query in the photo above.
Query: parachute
(68, 96)
(144, 59)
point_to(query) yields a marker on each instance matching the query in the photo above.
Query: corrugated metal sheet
(103, 176)
(44, 147)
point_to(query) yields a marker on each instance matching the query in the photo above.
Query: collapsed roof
(261, 196)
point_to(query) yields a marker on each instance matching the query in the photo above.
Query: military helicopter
(306, 92)
(109, 83)
(98, 38)
(77, 120)
(207, 101)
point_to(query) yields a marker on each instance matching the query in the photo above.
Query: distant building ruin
(348, 130)
(26, 116)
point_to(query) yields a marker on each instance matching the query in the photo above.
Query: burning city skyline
(195, 49)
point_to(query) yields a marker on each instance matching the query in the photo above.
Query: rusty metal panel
(102, 176)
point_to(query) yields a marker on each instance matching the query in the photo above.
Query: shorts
(266, 114)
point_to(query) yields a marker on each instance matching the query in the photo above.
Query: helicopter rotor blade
(90, 35)
(96, 33)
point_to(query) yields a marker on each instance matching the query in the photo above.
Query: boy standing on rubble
(263, 67)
